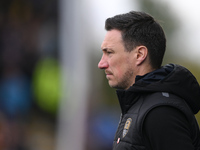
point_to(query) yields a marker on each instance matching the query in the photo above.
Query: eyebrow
(106, 49)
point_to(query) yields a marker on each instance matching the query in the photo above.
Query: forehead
(112, 38)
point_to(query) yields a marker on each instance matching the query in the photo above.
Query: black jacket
(158, 112)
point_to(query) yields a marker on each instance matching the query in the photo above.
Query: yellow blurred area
(46, 84)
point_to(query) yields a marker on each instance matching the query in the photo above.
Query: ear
(142, 53)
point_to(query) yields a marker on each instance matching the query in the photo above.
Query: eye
(108, 51)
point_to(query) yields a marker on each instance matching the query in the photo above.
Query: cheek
(118, 66)
(123, 67)
(119, 70)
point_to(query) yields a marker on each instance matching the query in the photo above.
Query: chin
(113, 85)
(116, 86)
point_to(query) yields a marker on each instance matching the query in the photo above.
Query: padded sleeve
(166, 128)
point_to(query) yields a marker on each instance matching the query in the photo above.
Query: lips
(108, 73)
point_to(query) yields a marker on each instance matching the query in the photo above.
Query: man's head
(134, 45)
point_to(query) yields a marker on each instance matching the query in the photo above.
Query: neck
(142, 70)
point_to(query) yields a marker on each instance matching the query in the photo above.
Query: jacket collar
(126, 99)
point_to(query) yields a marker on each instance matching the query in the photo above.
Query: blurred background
(52, 95)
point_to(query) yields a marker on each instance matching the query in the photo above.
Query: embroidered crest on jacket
(127, 126)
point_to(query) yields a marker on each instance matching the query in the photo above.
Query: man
(158, 103)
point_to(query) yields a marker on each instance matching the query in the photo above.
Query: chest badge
(127, 126)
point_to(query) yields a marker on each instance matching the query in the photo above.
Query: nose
(103, 64)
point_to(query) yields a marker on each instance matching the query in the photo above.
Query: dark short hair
(139, 28)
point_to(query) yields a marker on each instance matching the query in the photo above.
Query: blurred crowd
(28, 43)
